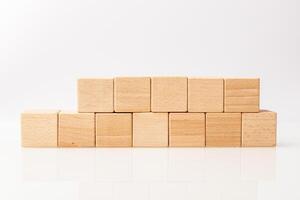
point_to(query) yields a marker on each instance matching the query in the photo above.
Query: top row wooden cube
(205, 94)
(168, 94)
(241, 95)
(95, 95)
(132, 94)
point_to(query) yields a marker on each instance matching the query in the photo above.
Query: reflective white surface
(152, 173)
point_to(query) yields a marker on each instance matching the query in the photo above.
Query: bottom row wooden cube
(150, 129)
(223, 129)
(187, 130)
(259, 129)
(114, 130)
(71, 129)
(39, 128)
(76, 129)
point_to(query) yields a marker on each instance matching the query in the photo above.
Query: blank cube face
(150, 129)
(95, 95)
(114, 130)
(169, 94)
(187, 129)
(39, 128)
(223, 129)
(205, 95)
(259, 129)
(241, 95)
(76, 130)
(132, 94)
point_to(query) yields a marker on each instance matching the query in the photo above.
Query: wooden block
(259, 129)
(187, 129)
(223, 129)
(150, 129)
(241, 95)
(169, 94)
(132, 94)
(39, 128)
(76, 129)
(95, 95)
(114, 130)
(205, 94)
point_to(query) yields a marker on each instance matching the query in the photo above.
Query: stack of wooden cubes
(156, 112)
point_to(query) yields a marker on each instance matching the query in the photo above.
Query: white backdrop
(46, 45)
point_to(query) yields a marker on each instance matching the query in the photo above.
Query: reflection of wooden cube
(76, 129)
(205, 95)
(169, 94)
(114, 129)
(150, 129)
(187, 129)
(259, 129)
(241, 95)
(132, 94)
(39, 128)
(95, 95)
(223, 129)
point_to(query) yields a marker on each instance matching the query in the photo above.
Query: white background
(46, 45)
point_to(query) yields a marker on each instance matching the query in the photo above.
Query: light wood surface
(150, 129)
(169, 94)
(95, 95)
(205, 94)
(259, 129)
(241, 95)
(186, 129)
(132, 94)
(39, 128)
(76, 129)
(223, 129)
(114, 130)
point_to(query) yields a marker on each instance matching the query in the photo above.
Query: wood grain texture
(114, 130)
(169, 94)
(132, 94)
(223, 129)
(259, 129)
(95, 95)
(150, 129)
(205, 94)
(186, 129)
(241, 95)
(76, 129)
(39, 128)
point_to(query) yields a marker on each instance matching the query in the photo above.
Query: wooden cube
(95, 95)
(169, 94)
(241, 95)
(76, 129)
(132, 94)
(187, 129)
(150, 129)
(223, 129)
(39, 128)
(205, 94)
(113, 129)
(259, 129)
